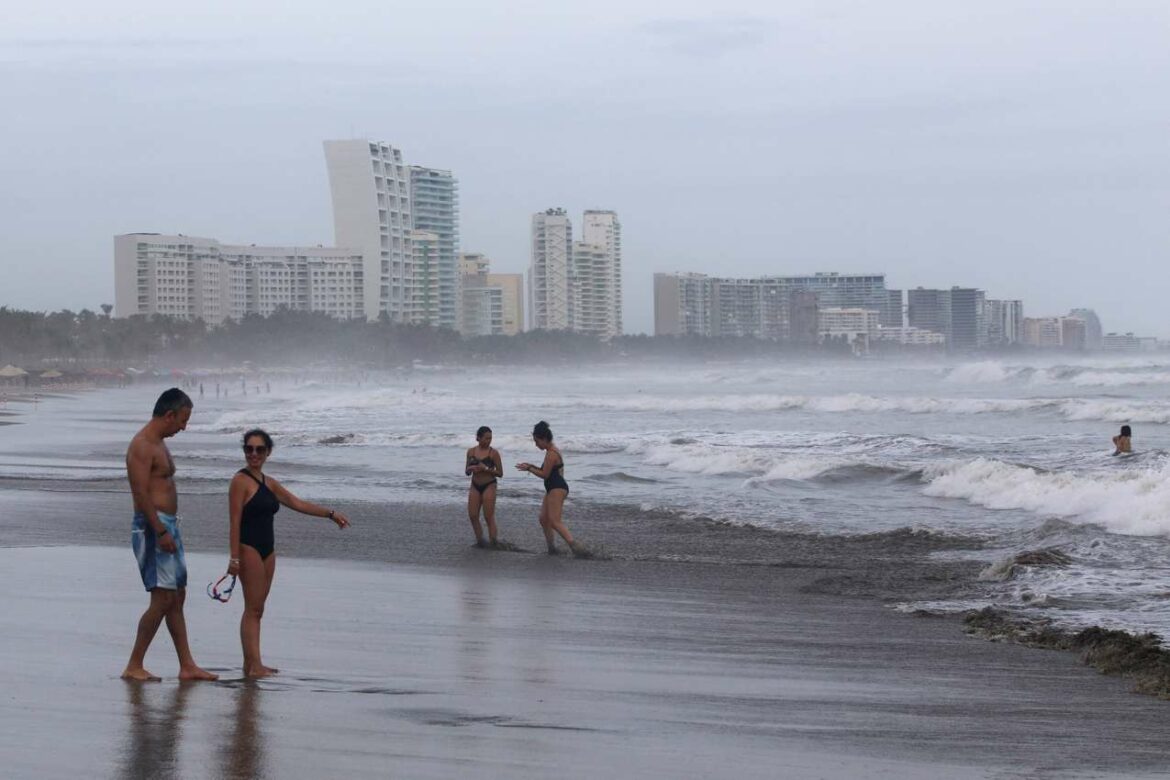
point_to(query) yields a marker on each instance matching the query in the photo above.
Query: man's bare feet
(139, 675)
(195, 673)
(260, 671)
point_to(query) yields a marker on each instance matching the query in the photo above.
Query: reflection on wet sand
(475, 629)
(242, 753)
(155, 716)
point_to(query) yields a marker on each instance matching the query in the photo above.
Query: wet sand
(520, 665)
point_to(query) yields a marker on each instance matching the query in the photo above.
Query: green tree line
(86, 338)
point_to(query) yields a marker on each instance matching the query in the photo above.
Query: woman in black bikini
(253, 500)
(556, 489)
(485, 467)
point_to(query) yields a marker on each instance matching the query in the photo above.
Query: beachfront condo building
(1005, 322)
(370, 187)
(549, 273)
(511, 288)
(493, 304)
(591, 291)
(770, 307)
(603, 228)
(959, 313)
(434, 203)
(200, 278)
(1094, 333)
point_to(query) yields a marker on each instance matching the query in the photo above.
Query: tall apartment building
(482, 306)
(682, 305)
(511, 301)
(189, 278)
(434, 203)
(426, 289)
(370, 187)
(549, 274)
(1043, 332)
(1094, 333)
(493, 304)
(603, 228)
(929, 310)
(1005, 322)
(959, 313)
(1073, 333)
(591, 291)
(968, 323)
(894, 313)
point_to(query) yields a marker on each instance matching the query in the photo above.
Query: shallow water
(1011, 455)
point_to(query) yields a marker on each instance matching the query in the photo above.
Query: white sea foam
(1131, 501)
(1120, 379)
(984, 372)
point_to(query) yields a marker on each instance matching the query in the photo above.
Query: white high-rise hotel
(371, 212)
(576, 286)
(548, 277)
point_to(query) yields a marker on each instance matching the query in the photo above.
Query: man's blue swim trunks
(159, 569)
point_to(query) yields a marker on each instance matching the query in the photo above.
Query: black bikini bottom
(483, 487)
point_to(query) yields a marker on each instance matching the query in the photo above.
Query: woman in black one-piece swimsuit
(254, 499)
(556, 489)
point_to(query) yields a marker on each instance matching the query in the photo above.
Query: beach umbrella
(52, 373)
(11, 371)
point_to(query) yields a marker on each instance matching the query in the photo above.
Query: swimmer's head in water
(542, 434)
(483, 432)
(1125, 431)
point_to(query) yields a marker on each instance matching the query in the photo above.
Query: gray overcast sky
(1022, 147)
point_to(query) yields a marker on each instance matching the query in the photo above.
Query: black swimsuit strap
(259, 482)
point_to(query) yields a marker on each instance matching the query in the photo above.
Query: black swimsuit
(256, 519)
(490, 463)
(556, 479)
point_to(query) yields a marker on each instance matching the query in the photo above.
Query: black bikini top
(489, 461)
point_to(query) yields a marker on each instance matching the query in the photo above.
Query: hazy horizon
(1016, 148)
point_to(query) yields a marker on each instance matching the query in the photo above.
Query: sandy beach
(521, 665)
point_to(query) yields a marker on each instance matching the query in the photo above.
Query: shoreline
(882, 569)
(525, 665)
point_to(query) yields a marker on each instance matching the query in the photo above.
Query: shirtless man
(155, 535)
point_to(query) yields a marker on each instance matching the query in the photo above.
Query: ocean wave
(1097, 374)
(621, 476)
(1102, 410)
(987, 372)
(1130, 501)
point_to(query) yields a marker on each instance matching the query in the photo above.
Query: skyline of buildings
(398, 255)
(858, 308)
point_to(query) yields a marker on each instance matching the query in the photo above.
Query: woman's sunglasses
(259, 450)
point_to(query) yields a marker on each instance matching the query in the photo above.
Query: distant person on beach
(253, 501)
(1121, 442)
(485, 466)
(556, 489)
(155, 538)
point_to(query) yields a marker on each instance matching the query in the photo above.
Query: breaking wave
(1130, 501)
